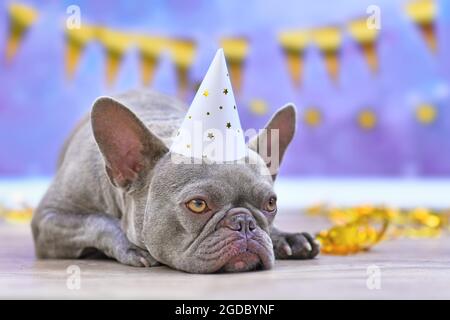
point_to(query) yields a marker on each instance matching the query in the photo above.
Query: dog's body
(129, 211)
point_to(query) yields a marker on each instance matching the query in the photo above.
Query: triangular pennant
(115, 44)
(150, 49)
(236, 50)
(183, 54)
(366, 38)
(211, 129)
(76, 41)
(423, 13)
(329, 42)
(21, 17)
(294, 44)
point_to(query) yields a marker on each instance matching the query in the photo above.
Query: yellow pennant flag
(183, 53)
(76, 41)
(150, 49)
(294, 44)
(329, 41)
(116, 44)
(366, 38)
(423, 13)
(21, 17)
(236, 50)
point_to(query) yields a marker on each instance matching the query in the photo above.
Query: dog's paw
(136, 257)
(295, 246)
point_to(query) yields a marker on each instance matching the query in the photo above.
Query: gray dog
(117, 193)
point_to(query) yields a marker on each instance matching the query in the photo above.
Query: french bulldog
(117, 193)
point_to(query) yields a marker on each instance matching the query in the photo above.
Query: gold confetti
(312, 116)
(17, 215)
(355, 236)
(367, 119)
(359, 228)
(258, 106)
(205, 93)
(426, 113)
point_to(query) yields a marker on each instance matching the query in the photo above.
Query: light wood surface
(408, 269)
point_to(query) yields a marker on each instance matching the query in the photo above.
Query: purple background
(38, 106)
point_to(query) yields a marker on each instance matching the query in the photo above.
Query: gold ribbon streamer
(423, 13)
(294, 44)
(236, 51)
(359, 228)
(21, 17)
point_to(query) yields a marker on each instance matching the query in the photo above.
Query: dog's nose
(240, 221)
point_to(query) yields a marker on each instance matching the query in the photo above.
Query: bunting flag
(329, 41)
(294, 44)
(116, 44)
(423, 13)
(76, 41)
(183, 54)
(236, 51)
(21, 17)
(366, 38)
(150, 50)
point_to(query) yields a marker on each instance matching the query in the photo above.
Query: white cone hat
(211, 129)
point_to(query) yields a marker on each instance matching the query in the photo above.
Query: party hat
(211, 129)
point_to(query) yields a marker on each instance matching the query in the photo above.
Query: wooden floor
(408, 269)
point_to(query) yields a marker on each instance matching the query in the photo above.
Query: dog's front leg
(293, 245)
(71, 236)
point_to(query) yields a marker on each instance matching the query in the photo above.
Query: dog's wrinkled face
(198, 218)
(210, 217)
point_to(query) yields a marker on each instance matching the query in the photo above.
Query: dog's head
(199, 218)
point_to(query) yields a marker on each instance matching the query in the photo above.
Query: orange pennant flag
(21, 17)
(423, 13)
(183, 54)
(236, 50)
(329, 41)
(366, 38)
(150, 49)
(116, 44)
(76, 41)
(294, 44)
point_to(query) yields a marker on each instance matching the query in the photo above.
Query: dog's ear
(272, 142)
(128, 147)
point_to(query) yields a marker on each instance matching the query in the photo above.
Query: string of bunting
(117, 43)
(293, 42)
(329, 40)
(182, 52)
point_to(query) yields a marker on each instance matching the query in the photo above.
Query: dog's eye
(271, 205)
(197, 205)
